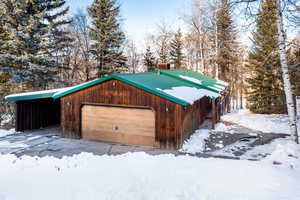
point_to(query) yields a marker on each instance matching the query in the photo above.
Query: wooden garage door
(119, 124)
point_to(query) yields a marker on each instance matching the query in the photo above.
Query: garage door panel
(121, 138)
(119, 124)
(143, 127)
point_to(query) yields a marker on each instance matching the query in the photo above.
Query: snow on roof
(175, 88)
(189, 94)
(36, 93)
(41, 94)
(218, 86)
(191, 79)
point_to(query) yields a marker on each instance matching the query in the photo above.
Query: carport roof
(178, 86)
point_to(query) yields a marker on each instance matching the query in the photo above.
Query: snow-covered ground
(6, 132)
(256, 122)
(140, 176)
(196, 143)
(275, 123)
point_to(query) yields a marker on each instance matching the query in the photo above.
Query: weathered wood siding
(169, 116)
(35, 114)
(194, 115)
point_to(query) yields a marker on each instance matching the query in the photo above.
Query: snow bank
(140, 176)
(282, 151)
(189, 94)
(6, 132)
(261, 122)
(196, 143)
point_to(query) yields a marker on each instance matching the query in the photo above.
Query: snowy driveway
(225, 142)
(47, 142)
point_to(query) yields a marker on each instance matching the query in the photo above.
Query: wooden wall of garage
(35, 114)
(169, 116)
(194, 115)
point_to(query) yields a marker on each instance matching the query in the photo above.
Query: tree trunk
(285, 73)
(202, 56)
(216, 70)
(241, 95)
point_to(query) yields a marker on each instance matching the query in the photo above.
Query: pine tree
(226, 57)
(28, 39)
(149, 59)
(107, 36)
(176, 50)
(266, 93)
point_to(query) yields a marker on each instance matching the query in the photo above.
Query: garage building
(159, 108)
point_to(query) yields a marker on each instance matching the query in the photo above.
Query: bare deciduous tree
(287, 13)
(133, 57)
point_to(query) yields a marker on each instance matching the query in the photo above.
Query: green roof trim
(131, 79)
(80, 87)
(153, 82)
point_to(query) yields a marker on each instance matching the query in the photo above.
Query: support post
(213, 113)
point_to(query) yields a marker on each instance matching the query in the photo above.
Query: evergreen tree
(226, 57)
(107, 37)
(266, 93)
(28, 38)
(149, 59)
(176, 50)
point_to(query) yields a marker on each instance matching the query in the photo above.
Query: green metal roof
(154, 82)
(196, 78)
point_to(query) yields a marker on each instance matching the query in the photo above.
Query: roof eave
(29, 97)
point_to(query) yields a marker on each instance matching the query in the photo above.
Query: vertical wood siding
(173, 122)
(35, 114)
(194, 115)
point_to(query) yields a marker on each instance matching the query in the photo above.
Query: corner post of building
(213, 113)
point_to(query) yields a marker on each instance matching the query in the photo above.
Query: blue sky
(142, 16)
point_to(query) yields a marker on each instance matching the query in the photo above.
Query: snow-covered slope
(265, 123)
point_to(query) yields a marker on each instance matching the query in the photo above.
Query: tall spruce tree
(29, 35)
(176, 50)
(226, 57)
(107, 36)
(149, 59)
(266, 93)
